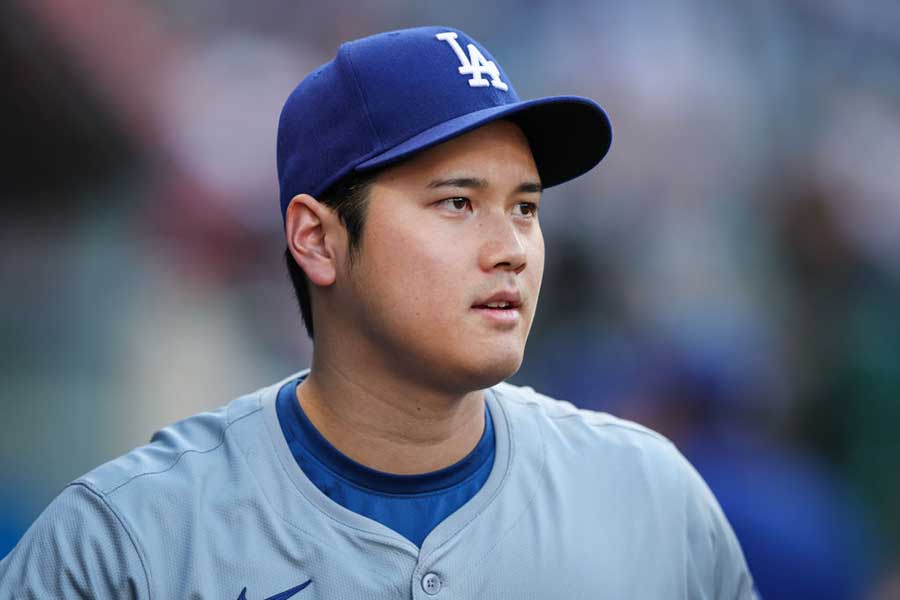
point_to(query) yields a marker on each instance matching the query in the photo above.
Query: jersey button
(431, 583)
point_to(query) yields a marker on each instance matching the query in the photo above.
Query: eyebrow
(527, 187)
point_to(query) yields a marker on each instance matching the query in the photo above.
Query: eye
(526, 209)
(456, 205)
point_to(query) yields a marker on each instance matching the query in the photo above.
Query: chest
(594, 556)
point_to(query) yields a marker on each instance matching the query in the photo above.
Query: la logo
(475, 64)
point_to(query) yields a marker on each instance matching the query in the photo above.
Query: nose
(502, 247)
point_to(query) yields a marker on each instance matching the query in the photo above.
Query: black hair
(349, 198)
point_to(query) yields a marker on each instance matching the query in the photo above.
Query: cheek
(536, 257)
(415, 279)
(534, 274)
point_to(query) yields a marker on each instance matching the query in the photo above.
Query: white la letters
(475, 64)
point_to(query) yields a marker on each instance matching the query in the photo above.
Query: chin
(490, 371)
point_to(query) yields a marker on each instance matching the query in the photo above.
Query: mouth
(502, 300)
(498, 305)
(502, 308)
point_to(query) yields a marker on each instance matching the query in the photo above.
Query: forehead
(496, 152)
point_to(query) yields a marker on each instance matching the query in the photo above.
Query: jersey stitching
(528, 504)
(287, 474)
(336, 520)
(330, 517)
(498, 491)
(633, 428)
(188, 451)
(131, 537)
(416, 495)
(475, 473)
(617, 424)
(303, 530)
(306, 532)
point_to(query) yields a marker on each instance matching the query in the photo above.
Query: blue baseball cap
(388, 96)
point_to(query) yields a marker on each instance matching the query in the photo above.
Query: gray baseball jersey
(579, 504)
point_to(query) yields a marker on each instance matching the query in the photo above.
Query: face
(446, 282)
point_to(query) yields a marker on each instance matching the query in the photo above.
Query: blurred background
(729, 275)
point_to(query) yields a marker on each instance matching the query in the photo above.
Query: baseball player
(399, 465)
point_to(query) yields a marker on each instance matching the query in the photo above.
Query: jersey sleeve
(77, 548)
(716, 562)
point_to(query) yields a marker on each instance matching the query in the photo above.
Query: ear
(313, 237)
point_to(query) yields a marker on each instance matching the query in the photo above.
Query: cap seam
(365, 100)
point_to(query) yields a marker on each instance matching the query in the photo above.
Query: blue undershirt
(411, 505)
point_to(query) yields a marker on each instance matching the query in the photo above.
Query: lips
(501, 309)
(502, 300)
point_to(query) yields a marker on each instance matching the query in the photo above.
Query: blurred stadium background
(730, 275)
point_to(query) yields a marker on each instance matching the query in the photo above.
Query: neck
(391, 424)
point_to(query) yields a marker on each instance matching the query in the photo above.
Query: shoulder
(178, 450)
(627, 469)
(187, 467)
(562, 423)
(78, 543)
(107, 529)
(594, 452)
(558, 410)
(134, 516)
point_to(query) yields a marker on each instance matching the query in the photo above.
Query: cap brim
(568, 135)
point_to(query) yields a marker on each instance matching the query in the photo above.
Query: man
(399, 465)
